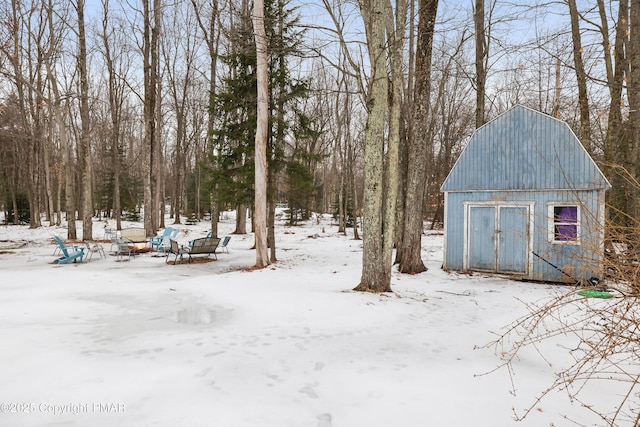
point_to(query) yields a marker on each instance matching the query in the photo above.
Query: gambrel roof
(524, 149)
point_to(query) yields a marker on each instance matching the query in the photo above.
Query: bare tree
(87, 173)
(482, 55)
(615, 69)
(451, 121)
(375, 277)
(116, 100)
(581, 76)
(260, 213)
(396, 28)
(342, 106)
(56, 106)
(25, 72)
(179, 58)
(420, 143)
(211, 32)
(151, 34)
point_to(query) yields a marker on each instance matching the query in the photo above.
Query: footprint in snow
(324, 420)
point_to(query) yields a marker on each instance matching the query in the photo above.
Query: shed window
(565, 223)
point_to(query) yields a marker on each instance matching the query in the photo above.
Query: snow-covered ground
(146, 343)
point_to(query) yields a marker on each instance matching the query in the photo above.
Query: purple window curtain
(566, 222)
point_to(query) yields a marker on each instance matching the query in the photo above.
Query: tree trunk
(59, 199)
(14, 202)
(115, 108)
(481, 54)
(395, 125)
(215, 215)
(354, 206)
(271, 231)
(615, 136)
(178, 183)
(157, 161)
(271, 203)
(375, 277)
(341, 206)
(403, 166)
(197, 190)
(241, 220)
(149, 116)
(157, 169)
(149, 151)
(260, 215)
(420, 142)
(556, 99)
(87, 173)
(68, 172)
(342, 144)
(48, 182)
(581, 77)
(633, 93)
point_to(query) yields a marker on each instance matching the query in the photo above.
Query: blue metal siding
(482, 220)
(513, 244)
(581, 261)
(524, 150)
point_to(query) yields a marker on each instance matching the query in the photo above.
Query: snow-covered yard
(145, 343)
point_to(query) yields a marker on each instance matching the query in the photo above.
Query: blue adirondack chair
(223, 244)
(166, 241)
(156, 241)
(69, 252)
(58, 248)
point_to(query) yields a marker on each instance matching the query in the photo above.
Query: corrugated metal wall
(524, 149)
(581, 261)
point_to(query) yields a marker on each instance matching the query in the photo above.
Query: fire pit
(139, 247)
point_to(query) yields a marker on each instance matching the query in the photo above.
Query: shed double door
(498, 238)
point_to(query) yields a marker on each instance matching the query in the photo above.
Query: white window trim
(551, 224)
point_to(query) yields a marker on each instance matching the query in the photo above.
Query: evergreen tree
(301, 185)
(300, 190)
(231, 163)
(233, 138)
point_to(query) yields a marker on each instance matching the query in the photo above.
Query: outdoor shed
(525, 199)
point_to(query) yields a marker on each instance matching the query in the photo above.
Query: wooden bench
(201, 246)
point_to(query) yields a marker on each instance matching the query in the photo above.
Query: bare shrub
(601, 336)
